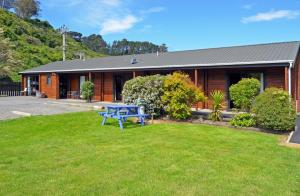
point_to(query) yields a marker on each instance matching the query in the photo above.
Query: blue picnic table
(122, 112)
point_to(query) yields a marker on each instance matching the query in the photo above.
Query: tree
(7, 4)
(75, 35)
(163, 48)
(125, 47)
(27, 8)
(95, 43)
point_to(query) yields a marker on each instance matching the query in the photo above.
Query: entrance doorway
(33, 85)
(119, 81)
(234, 78)
(63, 86)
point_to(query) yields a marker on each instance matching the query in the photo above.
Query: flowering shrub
(244, 92)
(180, 94)
(148, 87)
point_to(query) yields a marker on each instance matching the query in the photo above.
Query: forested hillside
(27, 43)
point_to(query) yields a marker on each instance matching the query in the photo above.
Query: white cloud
(110, 16)
(153, 10)
(248, 6)
(271, 15)
(118, 25)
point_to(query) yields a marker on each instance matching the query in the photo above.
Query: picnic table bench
(122, 112)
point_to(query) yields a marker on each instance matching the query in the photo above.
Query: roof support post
(90, 76)
(290, 78)
(133, 74)
(196, 84)
(196, 77)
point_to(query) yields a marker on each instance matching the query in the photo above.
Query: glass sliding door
(81, 81)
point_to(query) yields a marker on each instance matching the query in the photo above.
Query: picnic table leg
(120, 123)
(104, 120)
(142, 121)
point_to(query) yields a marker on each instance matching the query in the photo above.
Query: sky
(181, 24)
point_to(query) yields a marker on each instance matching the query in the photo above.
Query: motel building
(273, 64)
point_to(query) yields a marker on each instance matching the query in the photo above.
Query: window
(48, 79)
(81, 81)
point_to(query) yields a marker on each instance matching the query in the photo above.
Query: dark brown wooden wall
(74, 82)
(275, 77)
(108, 87)
(98, 90)
(207, 80)
(51, 90)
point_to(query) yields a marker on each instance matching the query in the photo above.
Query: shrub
(274, 109)
(180, 94)
(87, 91)
(150, 88)
(243, 120)
(244, 92)
(217, 98)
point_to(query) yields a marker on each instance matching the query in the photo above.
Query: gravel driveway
(15, 107)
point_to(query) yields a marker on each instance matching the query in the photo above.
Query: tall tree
(95, 43)
(7, 4)
(75, 35)
(27, 8)
(125, 47)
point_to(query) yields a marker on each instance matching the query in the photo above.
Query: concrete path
(16, 107)
(296, 135)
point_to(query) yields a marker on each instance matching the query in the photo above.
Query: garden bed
(216, 123)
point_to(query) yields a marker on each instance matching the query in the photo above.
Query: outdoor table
(122, 112)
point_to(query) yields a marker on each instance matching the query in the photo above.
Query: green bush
(180, 94)
(217, 98)
(274, 109)
(244, 92)
(243, 120)
(150, 87)
(87, 91)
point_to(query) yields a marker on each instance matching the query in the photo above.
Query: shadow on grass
(129, 124)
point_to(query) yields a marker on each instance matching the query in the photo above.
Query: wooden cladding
(207, 80)
(52, 89)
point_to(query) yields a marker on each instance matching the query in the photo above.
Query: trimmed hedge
(243, 120)
(244, 92)
(274, 109)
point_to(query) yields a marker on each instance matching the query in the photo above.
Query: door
(81, 81)
(63, 86)
(118, 88)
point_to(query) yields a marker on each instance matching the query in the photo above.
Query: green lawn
(72, 154)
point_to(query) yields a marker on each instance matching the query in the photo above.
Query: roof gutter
(166, 66)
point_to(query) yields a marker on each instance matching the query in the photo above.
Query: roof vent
(133, 61)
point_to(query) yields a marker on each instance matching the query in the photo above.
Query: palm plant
(217, 98)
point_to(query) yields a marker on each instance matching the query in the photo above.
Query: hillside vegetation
(33, 42)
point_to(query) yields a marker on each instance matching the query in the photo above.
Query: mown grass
(72, 154)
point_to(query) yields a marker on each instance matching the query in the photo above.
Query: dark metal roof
(260, 54)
